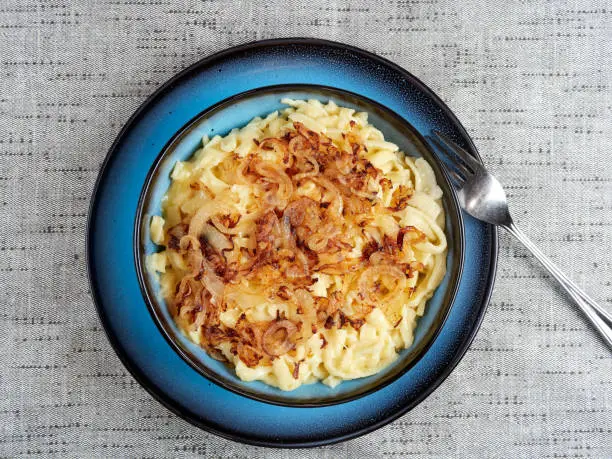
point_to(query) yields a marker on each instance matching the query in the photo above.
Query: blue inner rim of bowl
(219, 121)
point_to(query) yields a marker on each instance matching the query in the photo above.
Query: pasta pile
(302, 247)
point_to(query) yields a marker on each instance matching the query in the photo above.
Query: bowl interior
(236, 112)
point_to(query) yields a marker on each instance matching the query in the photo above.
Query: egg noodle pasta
(302, 247)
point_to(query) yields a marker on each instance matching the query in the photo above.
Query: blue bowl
(235, 112)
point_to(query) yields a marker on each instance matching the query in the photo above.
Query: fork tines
(460, 164)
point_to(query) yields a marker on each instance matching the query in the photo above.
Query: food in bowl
(302, 247)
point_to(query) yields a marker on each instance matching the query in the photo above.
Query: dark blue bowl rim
(450, 295)
(148, 385)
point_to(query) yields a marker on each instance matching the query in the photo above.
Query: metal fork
(482, 196)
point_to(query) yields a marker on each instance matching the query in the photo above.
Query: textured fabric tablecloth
(530, 80)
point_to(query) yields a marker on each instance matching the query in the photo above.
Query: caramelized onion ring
(370, 275)
(201, 217)
(299, 145)
(270, 342)
(311, 173)
(280, 146)
(216, 239)
(276, 175)
(213, 283)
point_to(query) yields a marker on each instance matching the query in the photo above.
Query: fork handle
(599, 317)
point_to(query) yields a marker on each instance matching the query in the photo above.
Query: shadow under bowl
(235, 112)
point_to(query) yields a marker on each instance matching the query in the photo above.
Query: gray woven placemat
(531, 81)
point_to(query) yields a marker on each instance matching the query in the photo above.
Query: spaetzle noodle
(302, 247)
